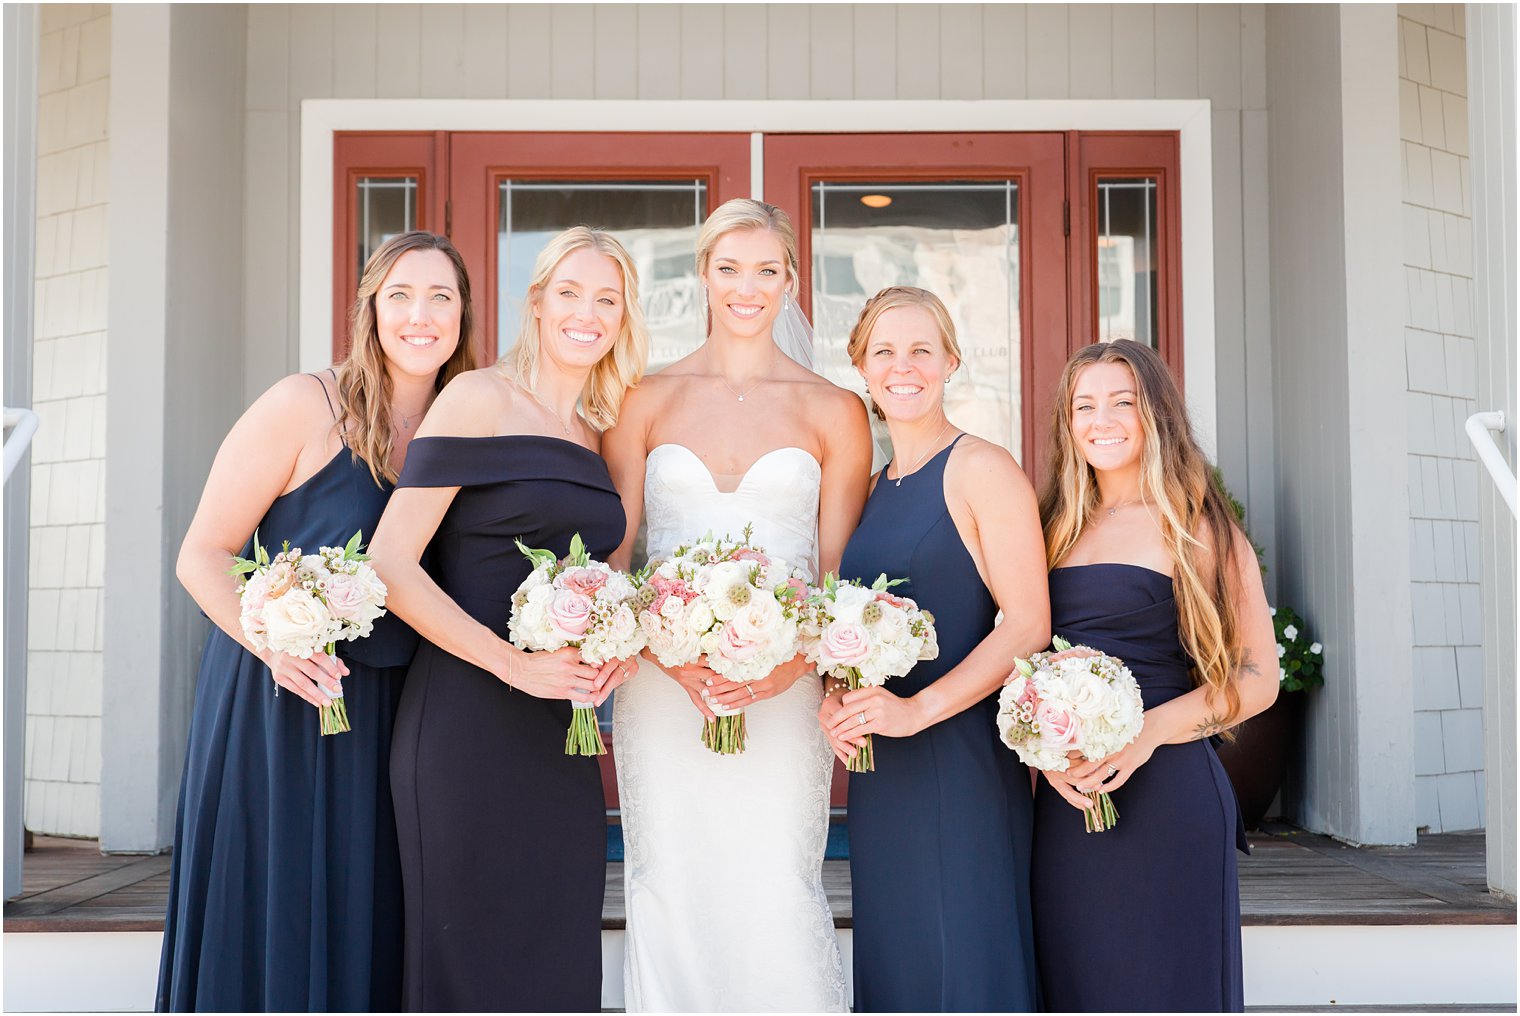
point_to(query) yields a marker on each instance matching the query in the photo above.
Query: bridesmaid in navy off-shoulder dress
(940, 832)
(503, 836)
(1164, 879)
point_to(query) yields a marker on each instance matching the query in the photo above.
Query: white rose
(1290, 633)
(699, 616)
(298, 624)
(759, 619)
(623, 625)
(1316, 648)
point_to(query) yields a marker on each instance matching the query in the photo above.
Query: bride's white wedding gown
(723, 863)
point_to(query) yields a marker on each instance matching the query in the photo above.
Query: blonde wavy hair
(623, 365)
(747, 213)
(1177, 479)
(888, 299)
(364, 385)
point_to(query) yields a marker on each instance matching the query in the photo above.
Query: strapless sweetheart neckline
(744, 476)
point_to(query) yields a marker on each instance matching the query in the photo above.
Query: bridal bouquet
(582, 603)
(726, 601)
(1090, 704)
(863, 636)
(300, 604)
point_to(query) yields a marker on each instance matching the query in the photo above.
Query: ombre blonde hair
(623, 365)
(747, 213)
(1196, 522)
(364, 385)
(888, 299)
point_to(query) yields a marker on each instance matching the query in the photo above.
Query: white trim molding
(321, 118)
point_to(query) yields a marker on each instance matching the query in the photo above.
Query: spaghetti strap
(957, 440)
(325, 395)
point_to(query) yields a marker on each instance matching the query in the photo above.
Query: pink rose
(583, 580)
(846, 645)
(747, 554)
(570, 612)
(346, 597)
(799, 588)
(1058, 728)
(732, 647)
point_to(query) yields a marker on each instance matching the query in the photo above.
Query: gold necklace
(919, 461)
(405, 422)
(557, 419)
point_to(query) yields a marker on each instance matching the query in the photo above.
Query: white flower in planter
(1316, 648)
(1290, 632)
(1282, 650)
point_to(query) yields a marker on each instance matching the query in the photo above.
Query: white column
(1491, 118)
(175, 321)
(1337, 286)
(20, 227)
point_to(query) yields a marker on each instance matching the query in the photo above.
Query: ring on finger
(860, 720)
(1113, 770)
(751, 689)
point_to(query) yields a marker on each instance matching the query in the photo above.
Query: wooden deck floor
(1292, 878)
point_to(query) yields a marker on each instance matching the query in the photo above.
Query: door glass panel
(1126, 252)
(387, 206)
(960, 241)
(656, 220)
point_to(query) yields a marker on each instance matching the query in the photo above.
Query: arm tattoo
(1215, 724)
(1209, 727)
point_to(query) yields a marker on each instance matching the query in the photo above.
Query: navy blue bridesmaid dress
(503, 836)
(1144, 917)
(285, 888)
(940, 832)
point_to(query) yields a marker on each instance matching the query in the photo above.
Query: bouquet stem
(864, 759)
(1104, 816)
(725, 735)
(334, 715)
(585, 735)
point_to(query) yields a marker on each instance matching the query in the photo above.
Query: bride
(723, 872)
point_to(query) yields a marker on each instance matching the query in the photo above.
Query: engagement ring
(1113, 770)
(860, 720)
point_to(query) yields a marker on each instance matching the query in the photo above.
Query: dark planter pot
(1257, 759)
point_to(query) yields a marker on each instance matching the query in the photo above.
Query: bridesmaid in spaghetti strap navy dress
(285, 889)
(503, 836)
(940, 832)
(1146, 916)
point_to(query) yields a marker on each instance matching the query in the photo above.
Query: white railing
(1480, 431)
(20, 425)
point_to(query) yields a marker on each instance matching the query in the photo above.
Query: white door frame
(321, 118)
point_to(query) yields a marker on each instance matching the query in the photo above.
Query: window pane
(960, 241)
(657, 220)
(1127, 259)
(387, 207)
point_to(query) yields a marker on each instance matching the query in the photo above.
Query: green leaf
(1061, 644)
(1025, 667)
(242, 566)
(352, 547)
(539, 558)
(578, 554)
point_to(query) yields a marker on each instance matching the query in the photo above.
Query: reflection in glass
(960, 241)
(1127, 256)
(657, 221)
(387, 207)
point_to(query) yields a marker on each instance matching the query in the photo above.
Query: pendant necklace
(406, 421)
(562, 424)
(919, 461)
(1122, 504)
(739, 395)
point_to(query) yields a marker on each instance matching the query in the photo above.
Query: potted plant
(1257, 758)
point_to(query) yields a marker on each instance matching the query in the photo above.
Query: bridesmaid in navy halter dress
(1146, 916)
(940, 832)
(285, 887)
(503, 836)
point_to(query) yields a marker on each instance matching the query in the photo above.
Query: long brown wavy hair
(364, 385)
(1175, 476)
(621, 367)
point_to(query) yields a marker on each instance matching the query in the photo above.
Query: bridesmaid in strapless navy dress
(503, 836)
(940, 832)
(1163, 881)
(284, 894)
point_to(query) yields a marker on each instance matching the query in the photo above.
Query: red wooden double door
(1039, 243)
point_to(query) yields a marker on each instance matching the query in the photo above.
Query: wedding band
(1113, 770)
(860, 720)
(751, 689)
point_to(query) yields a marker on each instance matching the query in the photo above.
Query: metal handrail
(1480, 428)
(20, 425)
